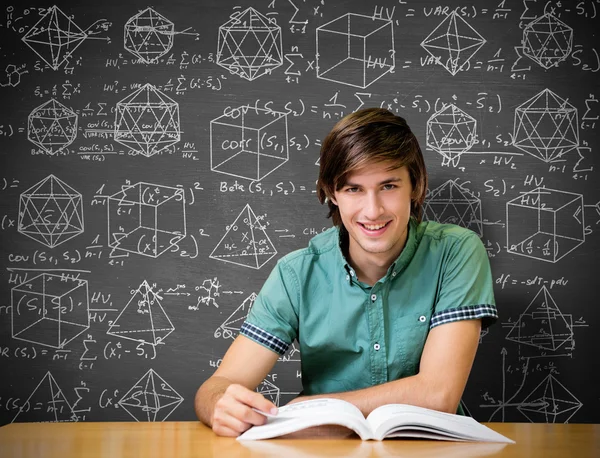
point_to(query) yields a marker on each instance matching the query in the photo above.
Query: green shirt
(353, 336)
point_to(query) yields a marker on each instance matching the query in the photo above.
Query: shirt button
(352, 273)
(373, 297)
(393, 274)
(422, 318)
(347, 277)
(376, 347)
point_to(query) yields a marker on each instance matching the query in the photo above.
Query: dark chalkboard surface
(157, 159)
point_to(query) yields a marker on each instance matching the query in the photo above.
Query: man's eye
(351, 189)
(389, 186)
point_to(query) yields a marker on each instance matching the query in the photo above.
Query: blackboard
(157, 159)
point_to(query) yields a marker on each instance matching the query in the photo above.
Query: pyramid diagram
(550, 402)
(231, 326)
(246, 242)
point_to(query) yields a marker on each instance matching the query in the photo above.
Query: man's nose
(373, 206)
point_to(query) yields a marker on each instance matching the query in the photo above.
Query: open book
(391, 420)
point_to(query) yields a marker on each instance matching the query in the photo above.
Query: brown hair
(366, 136)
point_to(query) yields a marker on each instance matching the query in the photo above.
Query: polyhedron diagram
(52, 126)
(453, 43)
(54, 37)
(249, 142)
(546, 126)
(151, 398)
(50, 212)
(547, 41)
(146, 219)
(149, 35)
(231, 326)
(46, 403)
(147, 121)
(50, 310)
(355, 50)
(269, 391)
(451, 132)
(249, 44)
(143, 319)
(545, 224)
(246, 242)
(549, 402)
(454, 204)
(542, 324)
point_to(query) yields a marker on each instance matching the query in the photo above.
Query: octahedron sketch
(54, 37)
(549, 402)
(149, 35)
(451, 132)
(50, 310)
(355, 50)
(249, 44)
(454, 204)
(50, 212)
(269, 391)
(147, 121)
(249, 142)
(542, 324)
(143, 319)
(453, 43)
(151, 398)
(231, 326)
(547, 41)
(545, 224)
(46, 403)
(52, 126)
(246, 242)
(146, 218)
(546, 126)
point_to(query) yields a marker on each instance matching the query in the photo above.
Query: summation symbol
(246, 242)
(46, 403)
(231, 326)
(546, 126)
(54, 37)
(50, 212)
(453, 43)
(249, 44)
(549, 402)
(454, 204)
(52, 126)
(151, 398)
(149, 35)
(143, 319)
(147, 121)
(547, 41)
(451, 132)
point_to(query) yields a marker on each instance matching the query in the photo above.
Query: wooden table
(192, 439)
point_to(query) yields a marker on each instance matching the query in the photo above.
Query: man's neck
(371, 268)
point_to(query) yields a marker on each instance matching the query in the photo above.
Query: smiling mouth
(373, 227)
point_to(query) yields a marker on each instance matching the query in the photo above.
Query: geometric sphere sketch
(231, 326)
(146, 219)
(52, 126)
(50, 212)
(453, 43)
(549, 402)
(50, 310)
(54, 37)
(249, 142)
(148, 35)
(545, 224)
(451, 132)
(355, 50)
(249, 44)
(150, 399)
(147, 121)
(46, 403)
(547, 41)
(143, 319)
(245, 242)
(452, 203)
(546, 126)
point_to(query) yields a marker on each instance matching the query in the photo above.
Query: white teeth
(374, 228)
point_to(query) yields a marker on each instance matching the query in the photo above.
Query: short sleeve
(467, 290)
(273, 319)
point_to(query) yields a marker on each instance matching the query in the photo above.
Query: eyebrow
(389, 180)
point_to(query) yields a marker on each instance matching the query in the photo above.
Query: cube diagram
(146, 219)
(50, 310)
(545, 224)
(355, 50)
(249, 142)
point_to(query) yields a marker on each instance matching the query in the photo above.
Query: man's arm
(224, 401)
(445, 366)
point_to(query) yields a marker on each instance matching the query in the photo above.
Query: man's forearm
(207, 396)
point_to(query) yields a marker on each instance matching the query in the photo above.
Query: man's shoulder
(443, 232)
(320, 246)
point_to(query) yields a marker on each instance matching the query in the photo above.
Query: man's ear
(332, 199)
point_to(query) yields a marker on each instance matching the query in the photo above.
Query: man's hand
(233, 412)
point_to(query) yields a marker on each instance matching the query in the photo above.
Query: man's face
(374, 205)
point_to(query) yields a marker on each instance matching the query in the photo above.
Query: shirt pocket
(410, 333)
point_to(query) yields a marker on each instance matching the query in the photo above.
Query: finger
(245, 413)
(221, 430)
(254, 399)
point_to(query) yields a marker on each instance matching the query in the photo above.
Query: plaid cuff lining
(263, 337)
(464, 313)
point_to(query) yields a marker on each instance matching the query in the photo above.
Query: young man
(385, 308)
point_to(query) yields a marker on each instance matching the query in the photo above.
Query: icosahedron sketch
(451, 132)
(52, 126)
(149, 35)
(231, 326)
(547, 41)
